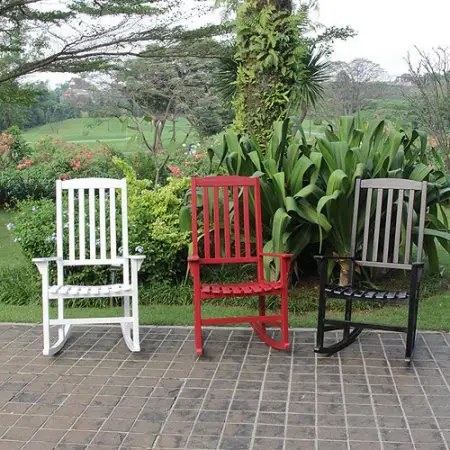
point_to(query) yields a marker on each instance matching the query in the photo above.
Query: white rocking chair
(99, 192)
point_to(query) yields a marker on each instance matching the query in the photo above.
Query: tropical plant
(307, 189)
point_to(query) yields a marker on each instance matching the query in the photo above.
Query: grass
(107, 130)
(10, 251)
(111, 131)
(434, 314)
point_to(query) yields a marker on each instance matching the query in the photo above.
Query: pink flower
(27, 162)
(64, 177)
(175, 170)
(21, 166)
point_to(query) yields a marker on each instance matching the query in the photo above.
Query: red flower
(64, 177)
(175, 170)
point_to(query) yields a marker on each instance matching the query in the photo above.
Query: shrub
(34, 175)
(153, 216)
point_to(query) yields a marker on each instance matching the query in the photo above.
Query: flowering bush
(153, 217)
(12, 147)
(34, 174)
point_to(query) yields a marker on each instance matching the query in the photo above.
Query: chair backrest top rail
(93, 183)
(391, 183)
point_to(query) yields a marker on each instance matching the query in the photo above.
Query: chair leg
(198, 325)
(262, 309)
(348, 316)
(135, 315)
(412, 327)
(320, 322)
(46, 323)
(130, 331)
(285, 320)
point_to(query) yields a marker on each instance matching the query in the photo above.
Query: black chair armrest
(332, 257)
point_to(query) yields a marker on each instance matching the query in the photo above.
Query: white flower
(183, 145)
(139, 249)
(17, 239)
(66, 225)
(34, 208)
(97, 242)
(10, 226)
(120, 250)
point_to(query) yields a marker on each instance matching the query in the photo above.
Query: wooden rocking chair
(100, 194)
(234, 213)
(378, 251)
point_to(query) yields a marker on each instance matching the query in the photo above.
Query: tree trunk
(303, 113)
(174, 130)
(344, 276)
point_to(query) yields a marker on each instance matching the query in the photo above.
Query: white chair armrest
(136, 260)
(42, 263)
(45, 260)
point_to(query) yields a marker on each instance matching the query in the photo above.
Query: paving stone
(239, 395)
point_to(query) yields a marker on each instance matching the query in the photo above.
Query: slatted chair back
(231, 216)
(389, 218)
(96, 235)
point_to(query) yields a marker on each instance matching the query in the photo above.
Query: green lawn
(10, 251)
(106, 130)
(434, 312)
(111, 131)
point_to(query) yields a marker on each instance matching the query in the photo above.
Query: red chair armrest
(193, 259)
(279, 255)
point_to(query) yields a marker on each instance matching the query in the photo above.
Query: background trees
(430, 99)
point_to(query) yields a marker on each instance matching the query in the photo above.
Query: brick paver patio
(241, 395)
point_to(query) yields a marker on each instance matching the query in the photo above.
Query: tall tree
(83, 35)
(354, 83)
(430, 99)
(275, 68)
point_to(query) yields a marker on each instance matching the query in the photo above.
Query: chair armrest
(46, 260)
(136, 261)
(279, 255)
(332, 257)
(42, 264)
(193, 259)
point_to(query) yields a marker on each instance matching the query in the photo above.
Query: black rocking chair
(397, 219)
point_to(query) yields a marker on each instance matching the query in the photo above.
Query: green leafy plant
(307, 189)
(153, 216)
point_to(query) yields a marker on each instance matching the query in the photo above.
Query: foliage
(17, 148)
(354, 82)
(307, 190)
(151, 95)
(430, 99)
(269, 53)
(79, 46)
(52, 159)
(154, 224)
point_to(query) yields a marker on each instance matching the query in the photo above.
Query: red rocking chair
(227, 201)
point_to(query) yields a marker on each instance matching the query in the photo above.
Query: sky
(387, 30)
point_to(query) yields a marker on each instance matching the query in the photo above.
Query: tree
(430, 99)
(148, 93)
(274, 69)
(84, 35)
(354, 83)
